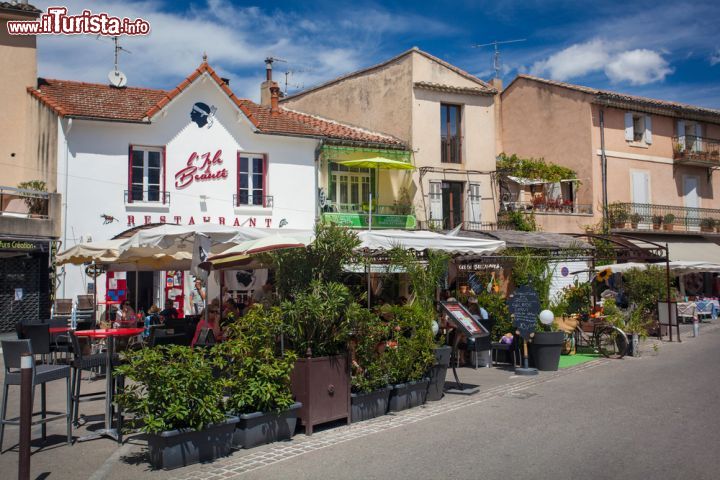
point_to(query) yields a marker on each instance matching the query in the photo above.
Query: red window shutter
(265, 180)
(130, 157)
(164, 191)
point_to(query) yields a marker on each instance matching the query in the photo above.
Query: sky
(661, 49)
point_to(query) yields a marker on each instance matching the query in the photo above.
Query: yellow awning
(377, 162)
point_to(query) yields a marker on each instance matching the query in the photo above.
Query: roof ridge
(343, 124)
(95, 84)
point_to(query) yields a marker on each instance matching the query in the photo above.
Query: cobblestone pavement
(279, 452)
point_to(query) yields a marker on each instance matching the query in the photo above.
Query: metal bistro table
(109, 335)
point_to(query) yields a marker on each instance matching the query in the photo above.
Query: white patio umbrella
(244, 250)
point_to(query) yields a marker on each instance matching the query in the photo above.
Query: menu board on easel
(524, 305)
(174, 290)
(463, 319)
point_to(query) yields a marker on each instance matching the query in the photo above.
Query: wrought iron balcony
(147, 196)
(550, 206)
(355, 215)
(246, 200)
(697, 151)
(645, 216)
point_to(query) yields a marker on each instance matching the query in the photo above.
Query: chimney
(267, 84)
(274, 97)
(497, 84)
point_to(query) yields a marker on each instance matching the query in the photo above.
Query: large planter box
(322, 385)
(260, 428)
(179, 448)
(438, 373)
(364, 406)
(545, 350)
(408, 395)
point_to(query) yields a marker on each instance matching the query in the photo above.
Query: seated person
(212, 322)
(125, 317)
(170, 312)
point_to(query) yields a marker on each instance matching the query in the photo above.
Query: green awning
(342, 154)
(376, 162)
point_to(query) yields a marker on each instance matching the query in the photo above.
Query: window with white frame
(252, 171)
(146, 174)
(638, 128)
(351, 186)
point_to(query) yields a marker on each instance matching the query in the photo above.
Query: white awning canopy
(676, 267)
(425, 240)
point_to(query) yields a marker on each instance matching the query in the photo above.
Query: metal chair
(41, 374)
(39, 336)
(79, 363)
(507, 347)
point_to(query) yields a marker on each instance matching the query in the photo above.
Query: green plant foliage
(573, 299)
(410, 352)
(515, 220)
(36, 205)
(317, 320)
(171, 387)
(533, 168)
(532, 268)
(618, 213)
(255, 377)
(370, 332)
(645, 287)
(323, 260)
(494, 304)
(424, 278)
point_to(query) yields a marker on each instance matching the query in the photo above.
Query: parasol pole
(94, 292)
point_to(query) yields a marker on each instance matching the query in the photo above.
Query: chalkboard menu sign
(463, 319)
(524, 305)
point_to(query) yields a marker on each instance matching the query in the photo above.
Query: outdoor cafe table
(109, 334)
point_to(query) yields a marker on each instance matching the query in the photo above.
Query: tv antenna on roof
(268, 65)
(116, 77)
(290, 72)
(496, 55)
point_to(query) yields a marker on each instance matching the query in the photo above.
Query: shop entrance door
(452, 199)
(145, 289)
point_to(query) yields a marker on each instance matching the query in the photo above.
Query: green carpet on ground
(572, 360)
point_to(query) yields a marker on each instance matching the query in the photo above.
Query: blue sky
(661, 49)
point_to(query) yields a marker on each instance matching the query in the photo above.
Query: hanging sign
(524, 305)
(463, 319)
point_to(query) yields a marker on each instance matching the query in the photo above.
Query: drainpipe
(603, 163)
(65, 196)
(316, 180)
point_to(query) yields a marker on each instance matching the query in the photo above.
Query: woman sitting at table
(212, 323)
(125, 317)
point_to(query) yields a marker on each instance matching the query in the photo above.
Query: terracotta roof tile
(610, 96)
(103, 102)
(20, 7)
(439, 87)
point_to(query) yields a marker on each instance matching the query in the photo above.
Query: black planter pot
(438, 373)
(364, 406)
(260, 428)
(545, 350)
(179, 448)
(408, 395)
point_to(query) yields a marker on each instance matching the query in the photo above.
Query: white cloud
(575, 61)
(715, 57)
(236, 40)
(638, 67)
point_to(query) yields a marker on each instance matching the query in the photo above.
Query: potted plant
(370, 390)
(178, 403)
(635, 220)
(409, 355)
(636, 328)
(546, 344)
(37, 204)
(668, 220)
(618, 215)
(657, 221)
(707, 225)
(256, 378)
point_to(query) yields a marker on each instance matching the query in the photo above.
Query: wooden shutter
(436, 213)
(629, 136)
(648, 129)
(681, 134)
(474, 199)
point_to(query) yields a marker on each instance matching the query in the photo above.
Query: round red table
(109, 334)
(53, 330)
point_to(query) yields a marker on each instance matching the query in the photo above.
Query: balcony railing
(358, 215)
(364, 208)
(18, 202)
(699, 151)
(147, 196)
(645, 216)
(451, 149)
(245, 200)
(557, 206)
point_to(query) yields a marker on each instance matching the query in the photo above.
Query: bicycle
(605, 338)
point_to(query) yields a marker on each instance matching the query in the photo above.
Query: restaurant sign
(360, 220)
(15, 245)
(201, 168)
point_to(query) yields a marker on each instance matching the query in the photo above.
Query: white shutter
(473, 212)
(436, 213)
(698, 140)
(629, 126)
(648, 129)
(681, 134)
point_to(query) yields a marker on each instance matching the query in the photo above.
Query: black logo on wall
(202, 114)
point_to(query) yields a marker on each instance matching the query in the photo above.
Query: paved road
(653, 417)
